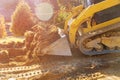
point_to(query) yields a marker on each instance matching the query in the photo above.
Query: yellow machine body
(86, 15)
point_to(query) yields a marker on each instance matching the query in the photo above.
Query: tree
(22, 19)
(2, 27)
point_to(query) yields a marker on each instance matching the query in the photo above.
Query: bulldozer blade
(60, 47)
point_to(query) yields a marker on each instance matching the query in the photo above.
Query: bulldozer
(93, 28)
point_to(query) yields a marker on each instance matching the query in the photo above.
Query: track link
(22, 72)
(82, 39)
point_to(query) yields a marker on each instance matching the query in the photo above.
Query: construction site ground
(81, 67)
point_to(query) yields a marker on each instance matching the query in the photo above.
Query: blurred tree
(69, 4)
(66, 8)
(2, 27)
(61, 16)
(22, 19)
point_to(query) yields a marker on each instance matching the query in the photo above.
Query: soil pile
(40, 37)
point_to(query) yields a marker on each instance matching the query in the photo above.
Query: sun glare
(44, 11)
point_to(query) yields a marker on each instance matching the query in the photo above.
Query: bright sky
(3, 2)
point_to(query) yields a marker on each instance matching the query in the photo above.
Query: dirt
(79, 67)
(104, 67)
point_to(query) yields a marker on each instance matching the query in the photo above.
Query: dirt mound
(39, 38)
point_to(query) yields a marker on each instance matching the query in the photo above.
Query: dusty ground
(80, 67)
(104, 67)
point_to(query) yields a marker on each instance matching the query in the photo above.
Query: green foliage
(22, 19)
(2, 27)
(62, 16)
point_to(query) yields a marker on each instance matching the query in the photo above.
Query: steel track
(22, 72)
(82, 38)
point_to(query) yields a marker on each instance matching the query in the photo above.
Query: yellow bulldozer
(93, 28)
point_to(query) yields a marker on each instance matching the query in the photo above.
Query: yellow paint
(75, 11)
(102, 25)
(86, 15)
